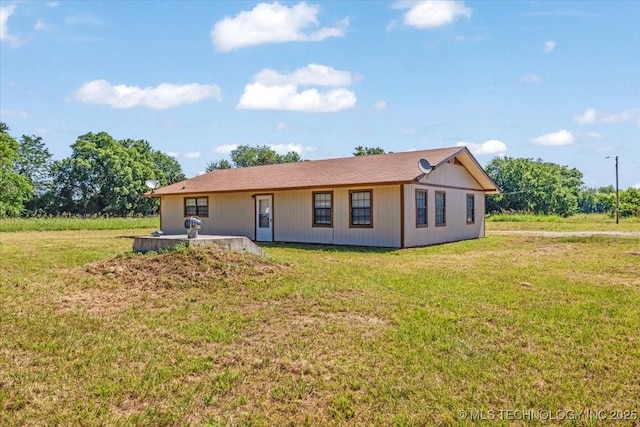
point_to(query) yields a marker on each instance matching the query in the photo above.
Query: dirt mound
(186, 268)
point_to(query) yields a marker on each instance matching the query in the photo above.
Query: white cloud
(492, 146)
(53, 4)
(84, 19)
(636, 186)
(260, 97)
(591, 115)
(285, 148)
(555, 139)
(311, 75)
(163, 96)
(593, 135)
(272, 23)
(408, 132)
(40, 26)
(14, 114)
(549, 46)
(5, 13)
(225, 149)
(531, 78)
(620, 117)
(273, 91)
(391, 25)
(282, 126)
(380, 105)
(432, 13)
(189, 155)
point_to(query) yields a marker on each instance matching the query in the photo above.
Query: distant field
(591, 222)
(316, 335)
(76, 223)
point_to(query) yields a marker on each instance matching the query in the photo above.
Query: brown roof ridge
(369, 156)
(396, 167)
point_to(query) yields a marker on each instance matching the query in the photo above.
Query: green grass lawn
(333, 336)
(582, 222)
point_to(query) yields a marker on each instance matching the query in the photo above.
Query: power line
(526, 191)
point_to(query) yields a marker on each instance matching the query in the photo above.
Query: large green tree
(630, 202)
(534, 186)
(245, 155)
(34, 162)
(15, 189)
(367, 151)
(217, 165)
(591, 200)
(107, 176)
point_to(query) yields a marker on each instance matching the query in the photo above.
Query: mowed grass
(342, 336)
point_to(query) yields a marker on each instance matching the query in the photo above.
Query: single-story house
(387, 200)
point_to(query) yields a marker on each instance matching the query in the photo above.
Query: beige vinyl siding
(456, 227)
(456, 183)
(172, 214)
(385, 216)
(293, 218)
(233, 214)
(451, 175)
(229, 214)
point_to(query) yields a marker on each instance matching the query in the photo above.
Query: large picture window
(421, 208)
(322, 209)
(441, 208)
(196, 206)
(360, 206)
(471, 208)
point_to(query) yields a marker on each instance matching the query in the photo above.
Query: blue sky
(553, 80)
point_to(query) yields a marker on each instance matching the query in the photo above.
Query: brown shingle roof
(370, 170)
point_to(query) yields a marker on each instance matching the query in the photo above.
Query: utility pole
(617, 193)
(617, 196)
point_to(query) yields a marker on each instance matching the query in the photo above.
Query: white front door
(264, 218)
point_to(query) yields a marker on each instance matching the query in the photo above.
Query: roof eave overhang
(185, 191)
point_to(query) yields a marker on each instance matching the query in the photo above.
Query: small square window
(196, 206)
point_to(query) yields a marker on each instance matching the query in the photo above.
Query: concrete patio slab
(235, 243)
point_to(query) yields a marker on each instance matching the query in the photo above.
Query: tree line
(538, 187)
(106, 176)
(102, 176)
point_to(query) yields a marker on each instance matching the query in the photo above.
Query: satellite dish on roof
(152, 184)
(424, 166)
